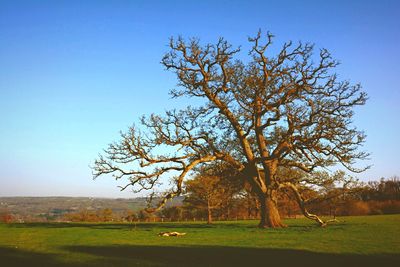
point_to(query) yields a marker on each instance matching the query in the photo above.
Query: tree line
(209, 198)
(220, 199)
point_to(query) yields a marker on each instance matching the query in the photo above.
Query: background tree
(130, 216)
(106, 215)
(6, 217)
(268, 112)
(330, 191)
(212, 189)
(385, 189)
(249, 201)
(142, 215)
(174, 213)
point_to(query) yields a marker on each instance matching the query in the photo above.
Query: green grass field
(354, 241)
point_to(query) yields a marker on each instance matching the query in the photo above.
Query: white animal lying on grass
(171, 234)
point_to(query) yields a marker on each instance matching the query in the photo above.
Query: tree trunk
(270, 217)
(209, 216)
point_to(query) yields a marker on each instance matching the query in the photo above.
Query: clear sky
(75, 73)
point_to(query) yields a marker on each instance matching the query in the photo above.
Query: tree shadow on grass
(11, 257)
(231, 256)
(188, 256)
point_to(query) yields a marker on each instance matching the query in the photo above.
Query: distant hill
(57, 206)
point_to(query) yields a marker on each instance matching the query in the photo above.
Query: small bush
(356, 208)
(6, 217)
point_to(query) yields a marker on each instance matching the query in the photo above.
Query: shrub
(356, 208)
(6, 217)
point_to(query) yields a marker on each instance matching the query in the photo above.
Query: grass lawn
(354, 241)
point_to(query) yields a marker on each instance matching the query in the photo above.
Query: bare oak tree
(269, 112)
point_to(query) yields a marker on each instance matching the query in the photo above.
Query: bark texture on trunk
(270, 217)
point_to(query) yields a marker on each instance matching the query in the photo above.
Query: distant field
(354, 241)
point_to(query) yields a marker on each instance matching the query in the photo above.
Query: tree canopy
(271, 112)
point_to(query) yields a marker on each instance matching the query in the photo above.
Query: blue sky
(75, 73)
